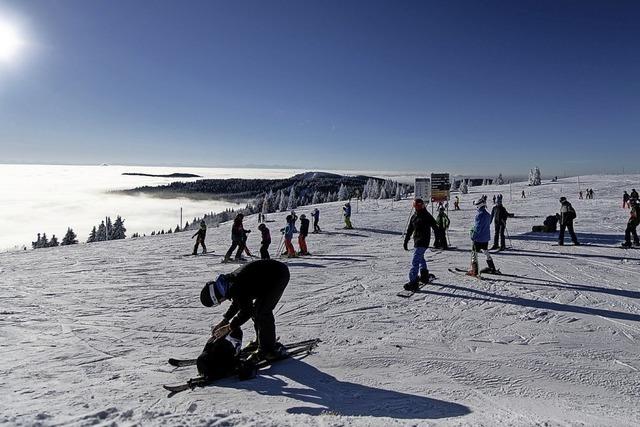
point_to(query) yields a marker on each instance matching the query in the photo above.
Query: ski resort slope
(86, 331)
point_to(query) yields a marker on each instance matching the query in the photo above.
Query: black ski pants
(631, 230)
(264, 251)
(234, 244)
(199, 242)
(568, 226)
(316, 228)
(263, 320)
(499, 233)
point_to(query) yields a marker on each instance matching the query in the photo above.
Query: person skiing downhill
(346, 211)
(567, 215)
(201, 233)
(443, 225)
(254, 291)
(625, 199)
(632, 224)
(480, 236)
(266, 241)
(420, 225)
(316, 218)
(302, 236)
(499, 215)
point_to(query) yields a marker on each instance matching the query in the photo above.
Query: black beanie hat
(205, 297)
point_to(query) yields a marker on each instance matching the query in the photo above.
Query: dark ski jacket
(499, 214)
(567, 213)
(201, 233)
(251, 283)
(237, 232)
(266, 236)
(634, 195)
(304, 227)
(420, 226)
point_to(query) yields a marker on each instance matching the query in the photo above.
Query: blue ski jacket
(482, 227)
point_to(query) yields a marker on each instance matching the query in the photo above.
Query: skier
(580, 195)
(220, 356)
(238, 237)
(456, 204)
(288, 235)
(632, 224)
(523, 196)
(316, 217)
(480, 236)
(201, 233)
(293, 220)
(499, 215)
(634, 194)
(420, 225)
(567, 215)
(443, 225)
(254, 291)
(266, 241)
(302, 236)
(625, 199)
(346, 211)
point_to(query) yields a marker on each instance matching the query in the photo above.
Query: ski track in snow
(86, 331)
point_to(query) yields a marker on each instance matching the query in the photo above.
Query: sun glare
(11, 41)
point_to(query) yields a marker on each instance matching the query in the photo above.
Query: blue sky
(460, 86)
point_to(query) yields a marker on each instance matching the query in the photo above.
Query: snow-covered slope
(85, 331)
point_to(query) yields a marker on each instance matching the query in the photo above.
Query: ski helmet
(213, 292)
(563, 199)
(481, 202)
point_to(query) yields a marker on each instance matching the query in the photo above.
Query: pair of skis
(293, 349)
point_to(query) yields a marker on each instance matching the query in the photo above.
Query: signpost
(423, 189)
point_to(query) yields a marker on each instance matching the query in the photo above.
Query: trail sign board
(440, 186)
(423, 189)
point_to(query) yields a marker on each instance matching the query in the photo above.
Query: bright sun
(11, 41)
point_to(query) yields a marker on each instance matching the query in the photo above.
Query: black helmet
(563, 199)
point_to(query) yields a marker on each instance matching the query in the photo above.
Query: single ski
(243, 353)
(407, 294)
(205, 254)
(233, 261)
(203, 382)
(463, 272)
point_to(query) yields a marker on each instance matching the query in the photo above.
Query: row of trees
(43, 242)
(108, 231)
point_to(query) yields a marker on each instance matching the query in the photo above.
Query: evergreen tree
(36, 244)
(70, 238)
(283, 202)
(109, 228)
(316, 198)
(186, 226)
(93, 236)
(53, 242)
(537, 179)
(44, 242)
(343, 193)
(292, 199)
(464, 188)
(499, 180)
(169, 231)
(383, 192)
(102, 233)
(118, 231)
(265, 205)
(177, 230)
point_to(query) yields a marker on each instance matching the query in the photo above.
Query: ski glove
(406, 245)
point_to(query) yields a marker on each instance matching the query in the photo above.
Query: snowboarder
(420, 225)
(567, 215)
(443, 225)
(266, 241)
(254, 291)
(499, 215)
(625, 199)
(302, 236)
(480, 236)
(238, 237)
(632, 224)
(201, 233)
(346, 212)
(316, 217)
(288, 235)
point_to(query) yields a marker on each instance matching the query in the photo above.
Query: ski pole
(279, 254)
(507, 231)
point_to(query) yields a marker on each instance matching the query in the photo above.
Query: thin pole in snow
(180, 217)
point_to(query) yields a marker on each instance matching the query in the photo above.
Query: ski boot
(425, 277)
(473, 271)
(412, 286)
(626, 245)
(490, 269)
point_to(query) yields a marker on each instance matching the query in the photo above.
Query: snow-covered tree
(292, 199)
(176, 230)
(534, 176)
(265, 208)
(109, 228)
(397, 195)
(464, 187)
(343, 193)
(316, 198)
(284, 201)
(93, 236)
(101, 236)
(70, 238)
(499, 180)
(53, 242)
(118, 231)
(383, 192)
(44, 242)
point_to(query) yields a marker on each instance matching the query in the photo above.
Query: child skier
(346, 211)
(480, 236)
(266, 241)
(632, 224)
(302, 236)
(201, 233)
(288, 235)
(443, 225)
(238, 237)
(316, 217)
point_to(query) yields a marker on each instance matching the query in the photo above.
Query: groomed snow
(85, 331)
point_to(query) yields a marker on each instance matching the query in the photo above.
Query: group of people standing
(588, 194)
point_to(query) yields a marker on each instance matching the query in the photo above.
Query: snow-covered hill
(85, 331)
